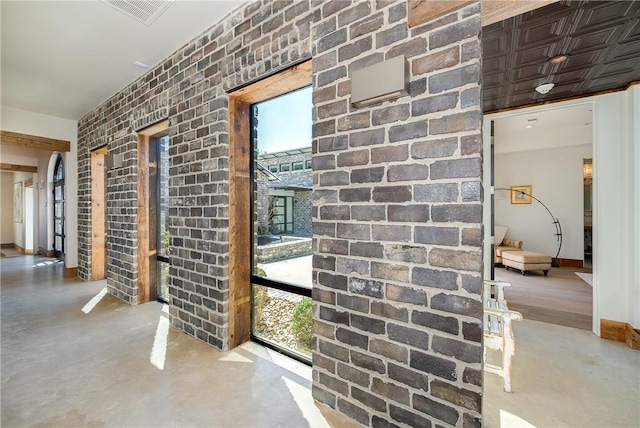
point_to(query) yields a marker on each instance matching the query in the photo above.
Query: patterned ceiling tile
(602, 40)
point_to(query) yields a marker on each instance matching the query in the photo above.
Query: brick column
(397, 220)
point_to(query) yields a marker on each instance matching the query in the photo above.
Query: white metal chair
(498, 329)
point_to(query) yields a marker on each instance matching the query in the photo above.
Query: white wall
(634, 301)
(29, 215)
(26, 122)
(556, 179)
(615, 212)
(6, 208)
(20, 231)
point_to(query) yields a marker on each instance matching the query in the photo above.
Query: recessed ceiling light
(529, 126)
(558, 59)
(140, 64)
(544, 89)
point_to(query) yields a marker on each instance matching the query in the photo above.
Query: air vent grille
(145, 11)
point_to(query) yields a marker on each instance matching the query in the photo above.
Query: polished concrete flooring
(71, 358)
(565, 377)
(122, 366)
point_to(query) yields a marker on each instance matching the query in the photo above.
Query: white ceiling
(64, 58)
(550, 127)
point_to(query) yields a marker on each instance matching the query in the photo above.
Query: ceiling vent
(145, 11)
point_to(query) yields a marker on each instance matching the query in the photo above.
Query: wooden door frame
(240, 210)
(146, 221)
(98, 214)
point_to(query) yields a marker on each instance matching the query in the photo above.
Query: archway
(58, 209)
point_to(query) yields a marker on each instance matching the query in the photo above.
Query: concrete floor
(110, 366)
(565, 377)
(296, 271)
(64, 367)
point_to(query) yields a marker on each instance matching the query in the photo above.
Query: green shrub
(260, 300)
(302, 326)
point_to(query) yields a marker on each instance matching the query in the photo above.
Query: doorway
(98, 214)
(29, 215)
(587, 172)
(58, 209)
(542, 148)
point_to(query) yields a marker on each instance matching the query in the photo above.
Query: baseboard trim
(572, 263)
(633, 338)
(46, 253)
(18, 248)
(70, 272)
(8, 245)
(620, 332)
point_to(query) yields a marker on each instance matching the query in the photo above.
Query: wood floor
(560, 298)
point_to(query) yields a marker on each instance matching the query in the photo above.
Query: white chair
(498, 329)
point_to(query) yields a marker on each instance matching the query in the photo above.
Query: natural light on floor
(159, 350)
(235, 358)
(93, 302)
(310, 412)
(510, 420)
(47, 263)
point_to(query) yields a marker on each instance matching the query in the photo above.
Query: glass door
(58, 209)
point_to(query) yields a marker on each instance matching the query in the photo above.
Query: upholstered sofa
(502, 243)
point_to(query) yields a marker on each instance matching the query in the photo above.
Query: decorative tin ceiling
(601, 39)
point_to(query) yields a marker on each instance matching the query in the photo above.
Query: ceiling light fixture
(140, 64)
(529, 126)
(559, 59)
(544, 89)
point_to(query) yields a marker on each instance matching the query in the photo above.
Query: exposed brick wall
(397, 220)
(397, 213)
(190, 89)
(302, 208)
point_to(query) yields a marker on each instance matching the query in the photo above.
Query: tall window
(281, 235)
(152, 207)
(162, 195)
(58, 209)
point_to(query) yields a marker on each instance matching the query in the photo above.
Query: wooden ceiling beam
(34, 142)
(492, 11)
(18, 168)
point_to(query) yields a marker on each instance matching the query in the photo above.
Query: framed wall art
(520, 194)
